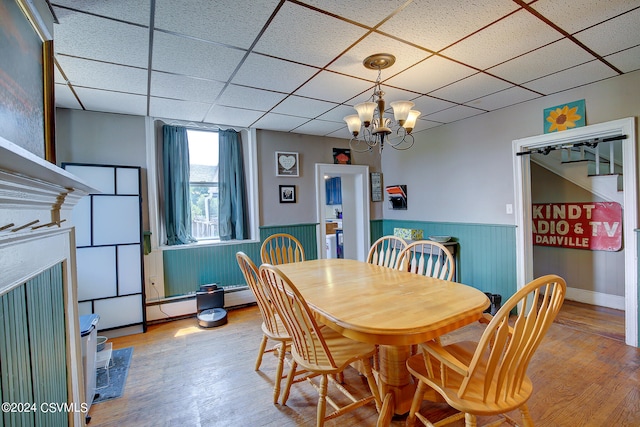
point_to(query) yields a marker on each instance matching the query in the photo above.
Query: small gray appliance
(210, 303)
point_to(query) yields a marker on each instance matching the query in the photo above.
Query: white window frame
(250, 158)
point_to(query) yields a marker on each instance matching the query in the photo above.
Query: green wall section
(485, 260)
(33, 350)
(486, 257)
(305, 233)
(185, 269)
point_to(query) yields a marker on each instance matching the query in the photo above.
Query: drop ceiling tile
(627, 60)
(391, 94)
(101, 75)
(280, 122)
(266, 73)
(422, 125)
(236, 23)
(65, 98)
(547, 60)
(436, 24)
(333, 87)
(510, 96)
(303, 107)
(472, 87)
(517, 34)
(112, 102)
(101, 39)
(338, 114)
(366, 12)
(452, 114)
(574, 16)
(307, 36)
(429, 105)
(319, 127)
(431, 74)
(255, 99)
(176, 109)
(58, 77)
(184, 88)
(230, 116)
(351, 62)
(614, 35)
(573, 77)
(137, 12)
(195, 58)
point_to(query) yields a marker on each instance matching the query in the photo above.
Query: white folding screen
(109, 245)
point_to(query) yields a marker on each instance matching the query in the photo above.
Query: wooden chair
(489, 378)
(427, 258)
(272, 326)
(318, 349)
(281, 248)
(386, 251)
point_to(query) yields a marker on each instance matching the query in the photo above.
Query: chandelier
(369, 128)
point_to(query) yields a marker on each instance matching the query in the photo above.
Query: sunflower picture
(563, 117)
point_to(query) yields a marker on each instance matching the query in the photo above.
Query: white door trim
(360, 174)
(522, 184)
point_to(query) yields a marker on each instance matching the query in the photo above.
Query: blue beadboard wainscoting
(486, 257)
(33, 349)
(485, 260)
(307, 234)
(185, 269)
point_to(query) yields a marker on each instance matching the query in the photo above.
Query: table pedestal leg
(395, 378)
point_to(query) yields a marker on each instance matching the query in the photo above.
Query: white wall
(462, 172)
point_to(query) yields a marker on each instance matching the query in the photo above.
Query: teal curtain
(232, 202)
(177, 201)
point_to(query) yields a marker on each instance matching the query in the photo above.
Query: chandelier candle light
(374, 130)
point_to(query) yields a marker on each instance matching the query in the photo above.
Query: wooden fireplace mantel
(36, 233)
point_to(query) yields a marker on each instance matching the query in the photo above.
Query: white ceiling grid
(296, 65)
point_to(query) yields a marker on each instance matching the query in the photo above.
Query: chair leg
(373, 386)
(263, 346)
(470, 420)
(282, 349)
(416, 403)
(287, 387)
(322, 401)
(527, 421)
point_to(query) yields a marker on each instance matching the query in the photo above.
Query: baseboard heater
(173, 308)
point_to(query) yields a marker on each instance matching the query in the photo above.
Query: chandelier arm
(358, 142)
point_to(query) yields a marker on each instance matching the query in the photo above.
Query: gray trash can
(88, 334)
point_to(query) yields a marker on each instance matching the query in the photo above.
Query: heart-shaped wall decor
(287, 162)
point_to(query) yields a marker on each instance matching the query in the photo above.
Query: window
(203, 183)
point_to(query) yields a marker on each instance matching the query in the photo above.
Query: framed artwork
(287, 194)
(26, 81)
(564, 116)
(342, 156)
(397, 197)
(287, 164)
(376, 187)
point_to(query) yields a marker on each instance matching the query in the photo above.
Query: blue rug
(120, 361)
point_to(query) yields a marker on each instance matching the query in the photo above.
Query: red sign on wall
(590, 226)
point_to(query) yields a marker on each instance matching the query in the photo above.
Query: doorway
(524, 241)
(355, 208)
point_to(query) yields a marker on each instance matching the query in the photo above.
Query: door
(524, 243)
(355, 208)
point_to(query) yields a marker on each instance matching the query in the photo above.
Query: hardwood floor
(182, 375)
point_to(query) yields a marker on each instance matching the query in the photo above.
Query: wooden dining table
(379, 305)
